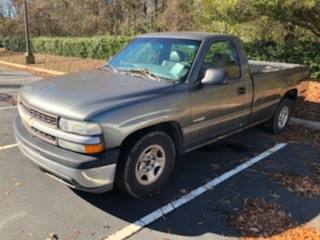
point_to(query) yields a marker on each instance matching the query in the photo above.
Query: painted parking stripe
(155, 215)
(8, 146)
(8, 107)
(8, 90)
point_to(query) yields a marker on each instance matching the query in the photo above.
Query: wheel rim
(283, 117)
(150, 164)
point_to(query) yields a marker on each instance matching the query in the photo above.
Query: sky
(6, 8)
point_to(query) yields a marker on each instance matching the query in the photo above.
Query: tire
(280, 119)
(138, 173)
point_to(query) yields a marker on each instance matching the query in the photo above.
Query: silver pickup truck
(163, 95)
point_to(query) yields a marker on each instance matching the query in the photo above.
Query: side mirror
(215, 76)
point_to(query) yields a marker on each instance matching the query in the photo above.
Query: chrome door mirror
(215, 76)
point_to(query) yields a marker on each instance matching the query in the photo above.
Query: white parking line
(8, 146)
(9, 90)
(155, 215)
(8, 107)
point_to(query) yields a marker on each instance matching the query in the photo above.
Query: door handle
(241, 90)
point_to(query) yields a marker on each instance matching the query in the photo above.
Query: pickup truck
(162, 95)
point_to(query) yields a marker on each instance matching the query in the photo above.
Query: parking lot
(33, 205)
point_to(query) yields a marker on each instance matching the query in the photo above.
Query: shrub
(95, 47)
(16, 43)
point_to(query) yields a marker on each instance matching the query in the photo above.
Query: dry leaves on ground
(300, 134)
(259, 218)
(215, 167)
(313, 92)
(306, 110)
(297, 233)
(309, 107)
(306, 186)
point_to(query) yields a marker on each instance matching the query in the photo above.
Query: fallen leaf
(215, 166)
(306, 186)
(18, 184)
(53, 236)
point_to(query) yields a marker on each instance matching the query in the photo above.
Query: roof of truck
(185, 35)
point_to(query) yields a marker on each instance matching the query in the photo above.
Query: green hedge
(103, 47)
(16, 44)
(95, 47)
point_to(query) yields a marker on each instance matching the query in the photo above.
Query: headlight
(83, 128)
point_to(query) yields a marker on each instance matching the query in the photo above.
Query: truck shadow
(214, 208)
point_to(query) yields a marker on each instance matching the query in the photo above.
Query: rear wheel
(281, 117)
(146, 164)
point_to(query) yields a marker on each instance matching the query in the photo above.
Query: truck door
(222, 108)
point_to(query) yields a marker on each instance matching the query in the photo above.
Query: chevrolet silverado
(163, 95)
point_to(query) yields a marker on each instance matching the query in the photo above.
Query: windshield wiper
(144, 72)
(110, 67)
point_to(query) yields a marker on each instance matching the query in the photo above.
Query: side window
(223, 55)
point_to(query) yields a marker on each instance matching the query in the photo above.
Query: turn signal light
(93, 148)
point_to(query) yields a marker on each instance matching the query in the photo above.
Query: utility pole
(29, 57)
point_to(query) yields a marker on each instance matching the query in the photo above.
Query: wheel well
(172, 128)
(291, 94)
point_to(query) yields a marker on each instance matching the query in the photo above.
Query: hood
(79, 95)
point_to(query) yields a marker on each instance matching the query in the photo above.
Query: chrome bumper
(83, 172)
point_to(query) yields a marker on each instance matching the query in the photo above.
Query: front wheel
(146, 164)
(281, 117)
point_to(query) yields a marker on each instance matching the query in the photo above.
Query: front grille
(41, 116)
(44, 136)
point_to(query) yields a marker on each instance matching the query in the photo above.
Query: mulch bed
(309, 107)
(297, 233)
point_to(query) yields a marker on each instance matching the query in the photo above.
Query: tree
(265, 18)
(178, 16)
(250, 19)
(303, 13)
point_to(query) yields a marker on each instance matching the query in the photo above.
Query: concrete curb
(36, 69)
(305, 123)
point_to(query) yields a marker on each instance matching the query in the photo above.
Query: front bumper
(79, 171)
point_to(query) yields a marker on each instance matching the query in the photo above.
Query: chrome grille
(44, 136)
(41, 116)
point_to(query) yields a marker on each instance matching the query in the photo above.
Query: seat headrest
(177, 56)
(219, 60)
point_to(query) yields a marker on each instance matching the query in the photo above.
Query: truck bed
(274, 74)
(266, 67)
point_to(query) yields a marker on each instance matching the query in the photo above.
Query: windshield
(163, 58)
